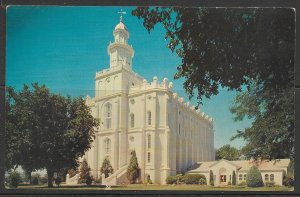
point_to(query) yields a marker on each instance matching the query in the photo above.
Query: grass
(157, 187)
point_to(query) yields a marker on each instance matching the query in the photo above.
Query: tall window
(179, 129)
(131, 120)
(108, 115)
(148, 157)
(266, 177)
(107, 146)
(272, 177)
(149, 141)
(245, 177)
(149, 117)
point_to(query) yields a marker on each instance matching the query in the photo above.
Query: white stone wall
(171, 151)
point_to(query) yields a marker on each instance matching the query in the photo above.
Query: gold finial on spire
(121, 15)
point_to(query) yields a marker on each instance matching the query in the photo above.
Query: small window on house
(272, 177)
(131, 120)
(240, 177)
(245, 177)
(266, 177)
(148, 157)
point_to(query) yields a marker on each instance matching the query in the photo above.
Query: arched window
(272, 177)
(179, 129)
(266, 177)
(149, 141)
(245, 177)
(131, 120)
(107, 146)
(108, 115)
(149, 117)
(240, 177)
(148, 157)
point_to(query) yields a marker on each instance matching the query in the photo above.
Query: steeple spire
(120, 52)
(121, 12)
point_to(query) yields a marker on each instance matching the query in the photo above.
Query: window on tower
(149, 117)
(148, 157)
(149, 141)
(131, 120)
(108, 107)
(107, 146)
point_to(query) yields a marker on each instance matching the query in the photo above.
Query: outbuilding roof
(242, 165)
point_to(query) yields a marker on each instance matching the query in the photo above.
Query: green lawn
(159, 187)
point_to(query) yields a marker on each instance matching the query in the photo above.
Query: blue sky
(63, 47)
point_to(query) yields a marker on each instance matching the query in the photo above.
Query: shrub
(98, 181)
(270, 184)
(88, 180)
(243, 183)
(254, 178)
(171, 180)
(289, 181)
(193, 178)
(106, 168)
(179, 178)
(202, 181)
(14, 179)
(57, 181)
(211, 178)
(82, 181)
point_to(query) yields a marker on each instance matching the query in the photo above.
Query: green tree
(234, 49)
(233, 178)
(106, 167)
(227, 152)
(84, 171)
(133, 169)
(254, 178)
(14, 179)
(211, 178)
(55, 130)
(273, 122)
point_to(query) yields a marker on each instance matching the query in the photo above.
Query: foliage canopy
(46, 130)
(249, 50)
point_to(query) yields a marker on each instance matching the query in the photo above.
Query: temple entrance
(223, 176)
(222, 179)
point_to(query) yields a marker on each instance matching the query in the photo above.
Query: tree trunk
(28, 175)
(50, 174)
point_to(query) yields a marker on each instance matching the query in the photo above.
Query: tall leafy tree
(227, 152)
(84, 171)
(234, 49)
(233, 177)
(273, 122)
(106, 167)
(46, 130)
(133, 169)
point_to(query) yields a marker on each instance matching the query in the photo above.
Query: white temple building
(167, 134)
